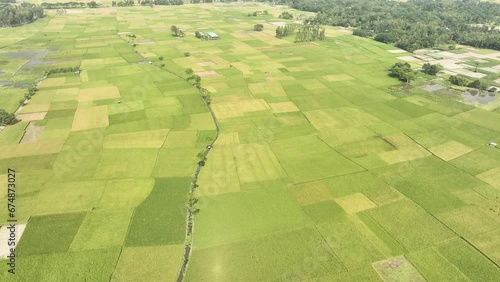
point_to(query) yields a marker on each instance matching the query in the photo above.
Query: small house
(212, 35)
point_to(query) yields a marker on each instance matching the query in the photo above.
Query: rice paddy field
(324, 168)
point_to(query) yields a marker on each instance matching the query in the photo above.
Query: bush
(258, 27)
(187, 54)
(286, 16)
(458, 80)
(431, 69)
(478, 85)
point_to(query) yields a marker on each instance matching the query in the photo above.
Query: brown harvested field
(32, 116)
(206, 64)
(206, 73)
(31, 133)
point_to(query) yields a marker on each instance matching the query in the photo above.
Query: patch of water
(481, 99)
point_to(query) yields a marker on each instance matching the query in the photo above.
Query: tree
(197, 34)
(475, 84)
(431, 69)
(322, 34)
(161, 58)
(174, 30)
(478, 85)
(286, 16)
(403, 72)
(197, 80)
(476, 63)
(279, 32)
(258, 27)
(7, 118)
(189, 71)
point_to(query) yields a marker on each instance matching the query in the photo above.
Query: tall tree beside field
(7, 118)
(403, 72)
(432, 69)
(174, 30)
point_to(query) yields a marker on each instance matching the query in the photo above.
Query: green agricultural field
(324, 167)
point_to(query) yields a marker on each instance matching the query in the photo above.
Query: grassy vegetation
(325, 167)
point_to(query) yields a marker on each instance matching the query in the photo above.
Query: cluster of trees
(192, 77)
(258, 13)
(159, 2)
(414, 24)
(177, 32)
(61, 70)
(124, 3)
(432, 69)
(31, 92)
(14, 15)
(303, 33)
(284, 31)
(403, 72)
(458, 80)
(258, 27)
(7, 118)
(462, 81)
(68, 5)
(309, 32)
(286, 16)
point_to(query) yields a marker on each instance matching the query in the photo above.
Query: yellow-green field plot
(90, 118)
(256, 163)
(141, 139)
(98, 93)
(355, 203)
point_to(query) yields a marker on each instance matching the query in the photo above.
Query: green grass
(349, 244)
(322, 160)
(323, 211)
(49, 234)
(94, 265)
(160, 219)
(434, 267)
(102, 229)
(468, 260)
(125, 193)
(280, 256)
(160, 261)
(410, 225)
(246, 215)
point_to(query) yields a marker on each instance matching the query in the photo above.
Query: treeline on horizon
(15, 15)
(68, 5)
(413, 24)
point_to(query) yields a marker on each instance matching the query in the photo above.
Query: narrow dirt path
(199, 166)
